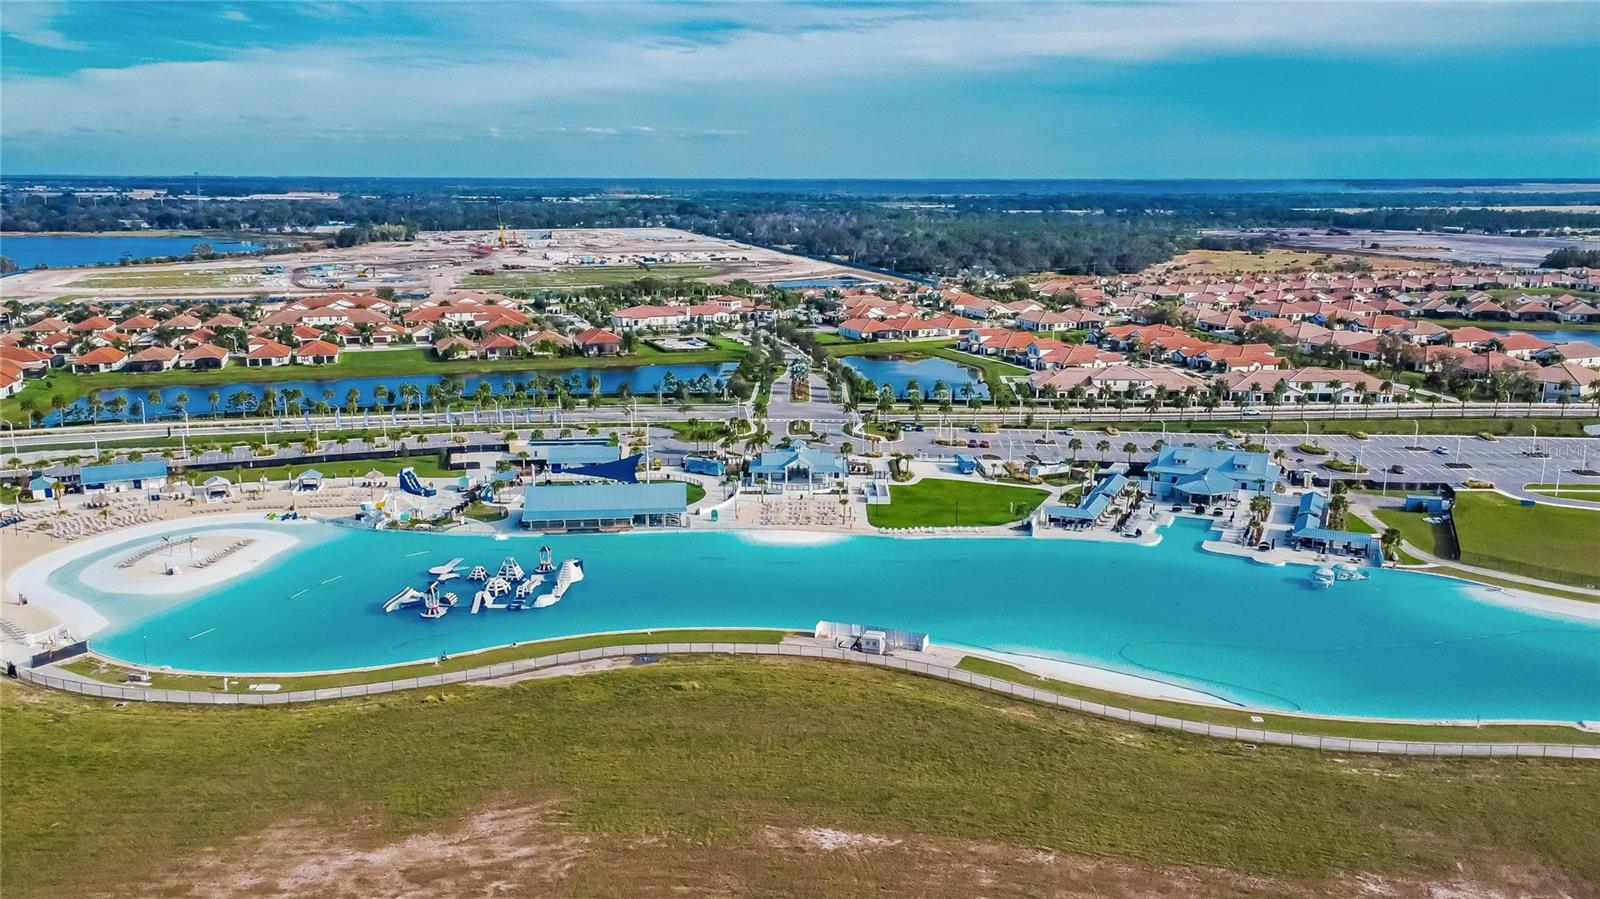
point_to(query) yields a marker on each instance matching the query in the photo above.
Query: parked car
(972, 444)
(913, 426)
(1070, 432)
(1397, 469)
(1440, 451)
(983, 444)
(1250, 410)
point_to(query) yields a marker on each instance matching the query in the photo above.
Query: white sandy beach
(1090, 676)
(30, 579)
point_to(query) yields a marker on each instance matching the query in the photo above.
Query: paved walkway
(54, 677)
(1365, 514)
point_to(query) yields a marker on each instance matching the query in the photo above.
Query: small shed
(965, 464)
(1427, 502)
(42, 488)
(704, 465)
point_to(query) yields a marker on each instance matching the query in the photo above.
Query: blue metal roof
(1236, 464)
(583, 501)
(1208, 483)
(1093, 503)
(1328, 535)
(775, 462)
(124, 471)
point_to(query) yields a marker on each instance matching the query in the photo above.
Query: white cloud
(235, 15)
(33, 23)
(530, 70)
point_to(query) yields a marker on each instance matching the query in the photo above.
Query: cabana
(1089, 509)
(216, 488)
(309, 481)
(1310, 530)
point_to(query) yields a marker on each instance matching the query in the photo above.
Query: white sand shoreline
(83, 620)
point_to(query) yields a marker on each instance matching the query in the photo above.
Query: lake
(1395, 645)
(898, 371)
(1554, 335)
(66, 250)
(642, 380)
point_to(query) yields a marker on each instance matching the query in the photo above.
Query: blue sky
(766, 89)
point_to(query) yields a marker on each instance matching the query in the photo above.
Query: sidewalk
(1365, 514)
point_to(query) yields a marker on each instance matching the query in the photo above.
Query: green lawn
(664, 779)
(993, 370)
(99, 669)
(1430, 538)
(886, 347)
(942, 502)
(1509, 584)
(1543, 541)
(591, 276)
(364, 364)
(426, 464)
(696, 492)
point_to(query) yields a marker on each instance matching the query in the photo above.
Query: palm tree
(1130, 448)
(1075, 445)
(215, 399)
(1260, 507)
(1102, 446)
(1390, 542)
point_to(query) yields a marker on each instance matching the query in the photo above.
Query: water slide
(410, 484)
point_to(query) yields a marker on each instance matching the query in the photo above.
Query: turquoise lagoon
(1397, 645)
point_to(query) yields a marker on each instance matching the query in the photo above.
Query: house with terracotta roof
(316, 352)
(94, 324)
(634, 318)
(264, 353)
(1579, 352)
(30, 363)
(1566, 381)
(1310, 385)
(11, 379)
(1228, 357)
(204, 357)
(100, 359)
(497, 346)
(156, 358)
(454, 346)
(598, 342)
(1523, 345)
(1114, 380)
(547, 341)
(1580, 312)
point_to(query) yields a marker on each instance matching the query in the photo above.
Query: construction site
(438, 261)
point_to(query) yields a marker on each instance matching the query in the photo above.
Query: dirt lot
(526, 850)
(437, 261)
